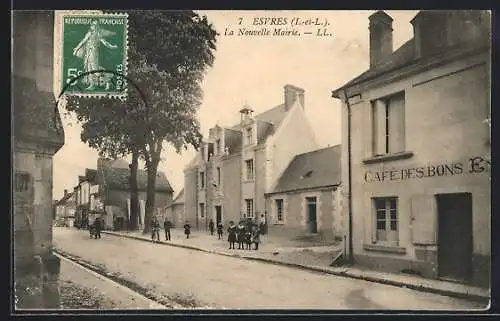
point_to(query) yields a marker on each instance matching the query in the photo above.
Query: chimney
(65, 192)
(291, 95)
(380, 37)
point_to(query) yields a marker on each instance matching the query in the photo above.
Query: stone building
(417, 148)
(175, 211)
(237, 165)
(305, 202)
(37, 135)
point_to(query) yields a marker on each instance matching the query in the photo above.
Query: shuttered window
(424, 219)
(388, 125)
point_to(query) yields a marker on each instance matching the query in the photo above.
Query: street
(210, 280)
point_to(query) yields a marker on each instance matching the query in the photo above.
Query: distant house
(82, 197)
(113, 193)
(175, 211)
(65, 209)
(305, 201)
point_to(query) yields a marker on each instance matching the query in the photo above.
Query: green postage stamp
(93, 54)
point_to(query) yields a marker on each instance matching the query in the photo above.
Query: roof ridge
(318, 150)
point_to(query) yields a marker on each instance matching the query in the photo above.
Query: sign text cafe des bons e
(474, 165)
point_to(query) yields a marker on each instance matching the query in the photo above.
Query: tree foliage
(169, 53)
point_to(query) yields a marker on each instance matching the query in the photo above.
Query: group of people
(245, 233)
(155, 229)
(95, 228)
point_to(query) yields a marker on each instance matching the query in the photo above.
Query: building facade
(65, 209)
(175, 211)
(112, 195)
(37, 135)
(418, 149)
(305, 201)
(237, 165)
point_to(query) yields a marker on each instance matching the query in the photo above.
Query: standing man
(211, 226)
(97, 224)
(167, 225)
(262, 224)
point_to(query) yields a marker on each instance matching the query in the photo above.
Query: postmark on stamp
(93, 54)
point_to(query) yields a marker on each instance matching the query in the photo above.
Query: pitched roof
(64, 198)
(399, 58)
(179, 199)
(318, 168)
(118, 178)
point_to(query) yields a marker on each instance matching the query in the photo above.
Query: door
(218, 214)
(311, 214)
(454, 236)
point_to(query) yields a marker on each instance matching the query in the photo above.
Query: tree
(168, 56)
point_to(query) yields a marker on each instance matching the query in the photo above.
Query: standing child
(187, 229)
(220, 229)
(248, 239)
(231, 231)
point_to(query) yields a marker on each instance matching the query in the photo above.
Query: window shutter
(379, 127)
(424, 220)
(368, 131)
(128, 208)
(397, 124)
(142, 211)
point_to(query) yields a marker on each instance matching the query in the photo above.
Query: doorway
(311, 214)
(218, 214)
(454, 236)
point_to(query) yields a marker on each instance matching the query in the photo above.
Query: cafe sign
(474, 165)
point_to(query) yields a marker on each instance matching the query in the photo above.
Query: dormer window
(249, 136)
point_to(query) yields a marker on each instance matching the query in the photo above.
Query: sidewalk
(312, 257)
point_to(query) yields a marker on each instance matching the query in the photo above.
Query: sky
(253, 70)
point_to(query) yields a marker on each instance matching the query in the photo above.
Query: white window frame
(391, 234)
(249, 210)
(247, 172)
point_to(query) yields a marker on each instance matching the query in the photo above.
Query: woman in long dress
(88, 50)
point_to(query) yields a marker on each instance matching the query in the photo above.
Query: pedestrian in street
(211, 227)
(262, 224)
(240, 230)
(187, 229)
(256, 237)
(220, 229)
(97, 227)
(155, 225)
(231, 231)
(248, 239)
(167, 225)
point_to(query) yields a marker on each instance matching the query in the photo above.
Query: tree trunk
(150, 194)
(134, 199)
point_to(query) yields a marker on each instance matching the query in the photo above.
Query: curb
(417, 287)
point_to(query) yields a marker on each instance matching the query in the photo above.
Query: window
(249, 136)
(202, 179)
(249, 167)
(386, 217)
(249, 208)
(388, 125)
(218, 176)
(279, 210)
(202, 210)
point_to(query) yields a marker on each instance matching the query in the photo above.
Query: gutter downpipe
(349, 171)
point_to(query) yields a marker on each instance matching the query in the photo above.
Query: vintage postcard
(259, 160)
